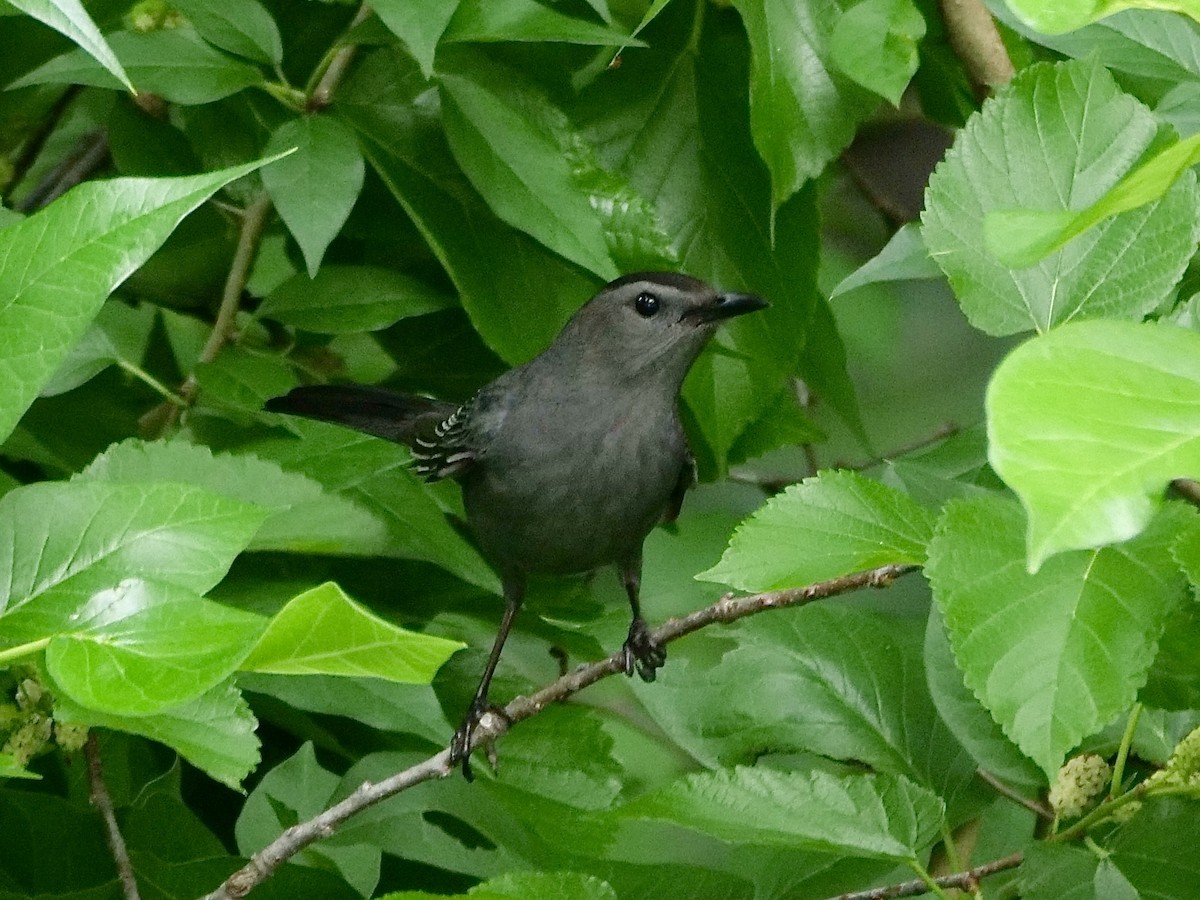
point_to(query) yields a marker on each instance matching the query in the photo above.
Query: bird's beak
(726, 306)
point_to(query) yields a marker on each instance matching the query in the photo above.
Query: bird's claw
(460, 743)
(641, 653)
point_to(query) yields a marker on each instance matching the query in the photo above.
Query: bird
(568, 461)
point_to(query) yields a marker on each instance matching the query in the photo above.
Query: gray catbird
(568, 461)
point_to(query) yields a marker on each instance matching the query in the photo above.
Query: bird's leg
(460, 744)
(640, 652)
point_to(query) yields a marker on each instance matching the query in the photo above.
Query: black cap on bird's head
(659, 319)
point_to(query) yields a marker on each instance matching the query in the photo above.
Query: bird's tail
(386, 414)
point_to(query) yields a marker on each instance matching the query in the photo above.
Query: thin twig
(728, 609)
(976, 41)
(967, 881)
(104, 805)
(254, 220)
(1003, 789)
(322, 94)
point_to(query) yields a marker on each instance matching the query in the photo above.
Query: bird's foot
(460, 744)
(641, 653)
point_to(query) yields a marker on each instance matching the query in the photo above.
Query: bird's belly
(575, 510)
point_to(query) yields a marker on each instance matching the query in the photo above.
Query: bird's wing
(444, 449)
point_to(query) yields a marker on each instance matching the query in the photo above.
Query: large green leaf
(419, 24)
(494, 267)
(57, 267)
(343, 299)
(802, 110)
(878, 816)
(247, 29)
(303, 516)
(373, 473)
(829, 679)
(1089, 423)
(214, 732)
(70, 18)
(143, 647)
(1056, 655)
(63, 542)
(527, 20)
(323, 632)
(674, 123)
(1070, 134)
(516, 165)
(293, 791)
(175, 63)
(106, 578)
(875, 44)
(827, 526)
(314, 188)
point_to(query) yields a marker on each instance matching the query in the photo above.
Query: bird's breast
(569, 494)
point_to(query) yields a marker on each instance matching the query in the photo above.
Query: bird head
(652, 320)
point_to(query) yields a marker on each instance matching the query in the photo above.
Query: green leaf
(1056, 655)
(419, 24)
(802, 112)
(314, 188)
(1071, 135)
(250, 31)
(834, 680)
(527, 20)
(63, 542)
(875, 44)
(240, 380)
(674, 123)
(118, 335)
(1113, 415)
(1022, 237)
(873, 816)
(293, 791)
(214, 732)
(903, 258)
(344, 299)
(967, 718)
(58, 266)
(518, 167)
(323, 632)
(143, 646)
(489, 262)
(543, 886)
(373, 474)
(68, 17)
(825, 527)
(385, 705)
(174, 63)
(1054, 18)
(303, 515)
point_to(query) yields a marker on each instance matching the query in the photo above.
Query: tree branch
(726, 610)
(976, 41)
(967, 881)
(103, 803)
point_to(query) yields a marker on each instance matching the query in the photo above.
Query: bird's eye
(646, 305)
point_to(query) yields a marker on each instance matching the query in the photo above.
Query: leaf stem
(333, 66)
(9, 654)
(161, 389)
(1118, 773)
(254, 220)
(932, 886)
